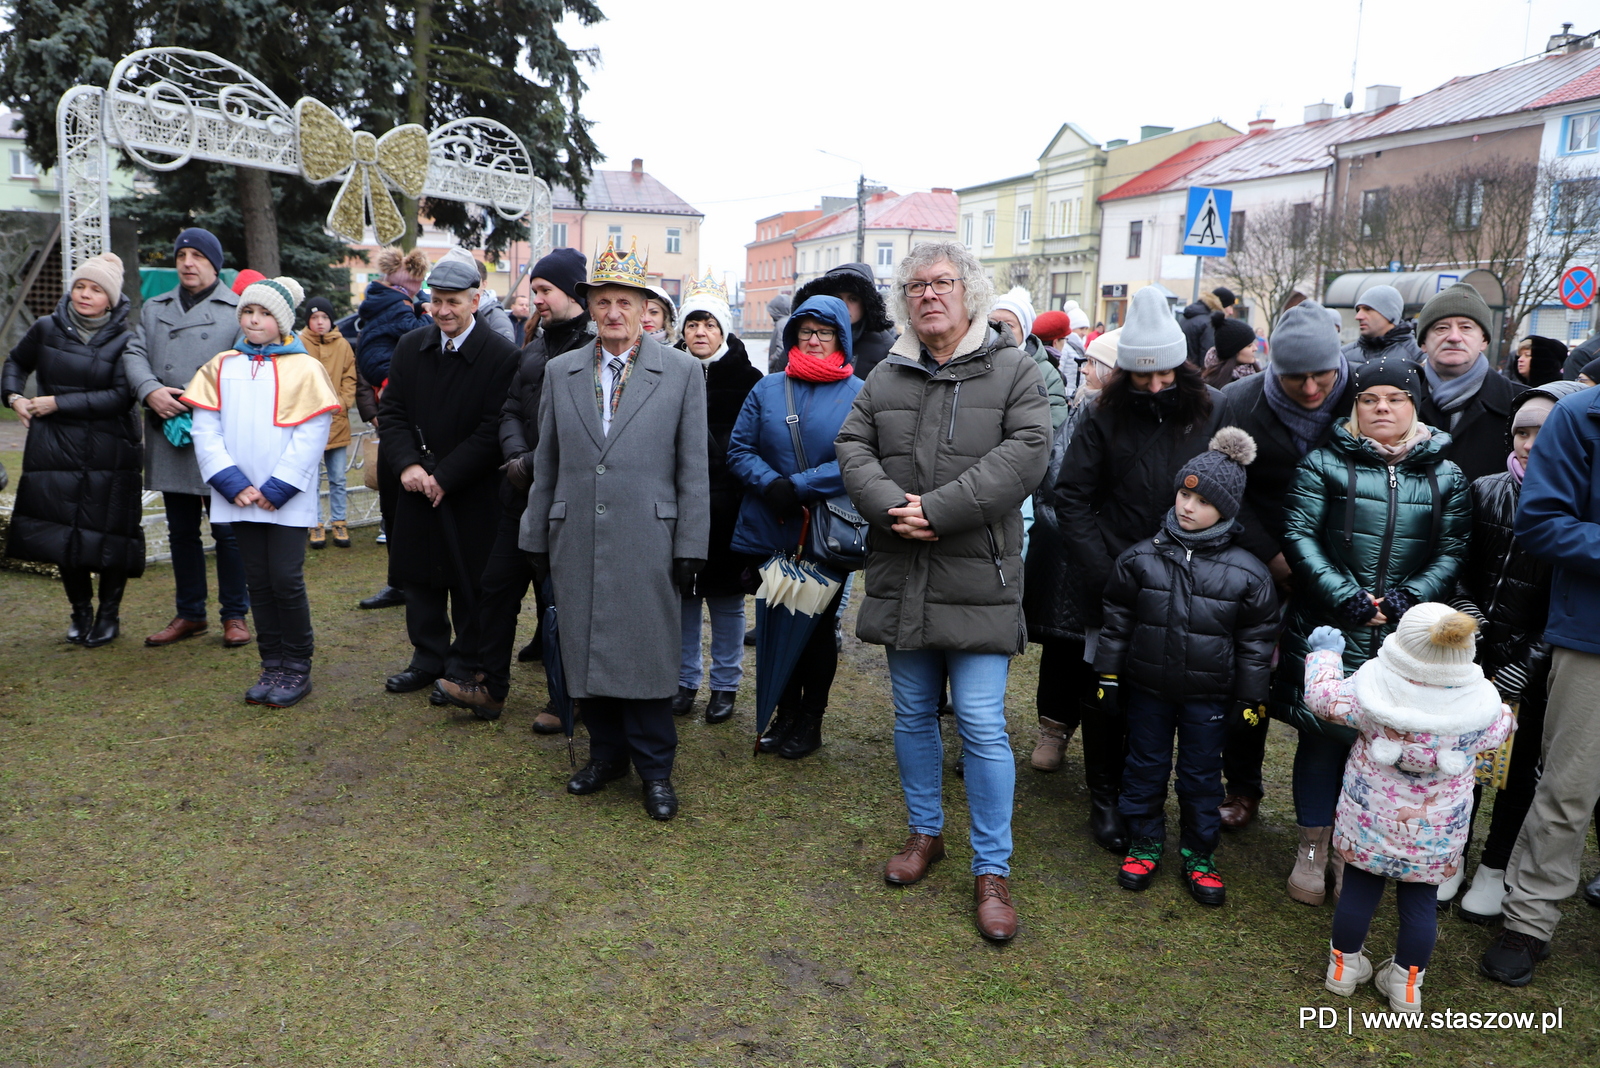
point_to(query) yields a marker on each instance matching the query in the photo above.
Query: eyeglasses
(1393, 400)
(940, 286)
(809, 332)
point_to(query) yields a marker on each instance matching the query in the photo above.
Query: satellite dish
(1349, 98)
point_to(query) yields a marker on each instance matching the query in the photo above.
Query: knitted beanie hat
(319, 304)
(202, 241)
(1052, 326)
(1232, 335)
(1389, 371)
(279, 296)
(245, 279)
(1225, 295)
(1385, 300)
(1018, 303)
(718, 310)
(563, 268)
(1151, 340)
(105, 271)
(1103, 349)
(1457, 300)
(1303, 342)
(1078, 318)
(1218, 473)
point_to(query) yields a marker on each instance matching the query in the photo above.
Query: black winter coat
(519, 416)
(1198, 332)
(1185, 624)
(1507, 585)
(1267, 479)
(1051, 590)
(870, 349)
(1400, 342)
(1478, 430)
(1116, 484)
(728, 383)
(82, 467)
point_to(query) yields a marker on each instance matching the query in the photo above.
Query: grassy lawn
(368, 880)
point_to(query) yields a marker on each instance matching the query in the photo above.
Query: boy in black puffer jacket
(1190, 622)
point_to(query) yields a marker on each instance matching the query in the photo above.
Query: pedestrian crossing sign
(1206, 225)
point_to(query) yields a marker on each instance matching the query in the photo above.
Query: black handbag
(836, 535)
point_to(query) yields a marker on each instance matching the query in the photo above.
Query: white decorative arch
(165, 107)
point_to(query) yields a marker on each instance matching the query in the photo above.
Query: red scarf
(808, 368)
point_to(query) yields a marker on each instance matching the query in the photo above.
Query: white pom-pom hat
(280, 296)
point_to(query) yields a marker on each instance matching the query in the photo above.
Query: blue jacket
(386, 315)
(1558, 518)
(761, 450)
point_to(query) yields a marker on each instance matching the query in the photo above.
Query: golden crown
(707, 287)
(611, 268)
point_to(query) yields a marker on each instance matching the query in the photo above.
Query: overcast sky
(728, 101)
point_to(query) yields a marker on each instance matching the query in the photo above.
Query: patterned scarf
(601, 357)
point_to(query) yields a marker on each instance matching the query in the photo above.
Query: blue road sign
(1205, 227)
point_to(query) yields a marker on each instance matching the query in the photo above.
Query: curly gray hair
(979, 291)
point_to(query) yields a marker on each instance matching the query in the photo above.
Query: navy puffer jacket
(386, 315)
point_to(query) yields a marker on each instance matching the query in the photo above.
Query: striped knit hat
(280, 296)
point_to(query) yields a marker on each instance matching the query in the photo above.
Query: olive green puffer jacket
(1355, 526)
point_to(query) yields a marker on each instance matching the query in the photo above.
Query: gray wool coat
(614, 510)
(168, 348)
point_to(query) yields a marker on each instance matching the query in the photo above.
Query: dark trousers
(275, 567)
(1246, 748)
(1201, 727)
(79, 585)
(430, 611)
(1511, 803)
(1358, 902)
(621, 730)
(505, 582)
(808, 686)
(388, 490)
(1066, 681)
(189, 560)
(1319, 761)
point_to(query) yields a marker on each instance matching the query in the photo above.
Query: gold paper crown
(707, 287)
(614, 269)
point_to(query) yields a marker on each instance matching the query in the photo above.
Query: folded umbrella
(792, 596)
(555, 674)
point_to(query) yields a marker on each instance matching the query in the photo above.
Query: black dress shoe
(660, 799)
(409, 681)
(388, 597)
(594, 775)
(1591, 893)
(683, 701)
(534, 650)
(720, 708)
(750, 637)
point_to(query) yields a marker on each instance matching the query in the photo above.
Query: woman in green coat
(1376, 522)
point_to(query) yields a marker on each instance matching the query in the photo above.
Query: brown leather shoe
(176, 631)
(1237, 812)
(547, 723)
(997, 918)
(473, 695)
(912, 862)
(235, 633)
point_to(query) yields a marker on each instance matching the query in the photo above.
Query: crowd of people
(1359, 541)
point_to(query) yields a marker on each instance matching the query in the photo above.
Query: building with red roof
(894, 223)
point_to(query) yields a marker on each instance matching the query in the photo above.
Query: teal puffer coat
(1353, 526)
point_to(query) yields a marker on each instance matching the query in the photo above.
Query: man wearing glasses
(1464, 397)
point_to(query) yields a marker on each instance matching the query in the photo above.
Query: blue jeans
(978, 692)
(727, 643)
(189, 560)
(1201, 728)
(1318, 774)
(334, 461)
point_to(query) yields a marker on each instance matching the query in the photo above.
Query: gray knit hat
(1302, 343)
(1385, 300)
(1459, 299)
(1151, 340)
(1218, 473)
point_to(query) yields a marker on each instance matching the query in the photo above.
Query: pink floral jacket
(1404, 818)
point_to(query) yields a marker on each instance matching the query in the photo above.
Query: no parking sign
(1578, 287)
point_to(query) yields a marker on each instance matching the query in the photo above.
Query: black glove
(1107, 697)
(519, 472)
(1356, 611)
(540, 562)
(781, 497)
(1396, 603)
(684, 569)
(1245, 714)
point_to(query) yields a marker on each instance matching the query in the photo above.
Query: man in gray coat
(178, 332)
(619, 518)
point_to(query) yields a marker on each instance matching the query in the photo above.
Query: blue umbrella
(555, 674)
(793, 596)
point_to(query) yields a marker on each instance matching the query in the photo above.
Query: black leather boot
(106, 625)
(1104, 751)
(777, 732)
(720, 708)
(82, 622)
(805, 738)
(683, 701)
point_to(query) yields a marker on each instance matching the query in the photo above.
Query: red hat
(246, 279)
(1052, 326)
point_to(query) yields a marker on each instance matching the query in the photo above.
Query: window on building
(966, 230)
(1183, 233)
(1583, 133)
(614, 234)
(788, 267)
(558, 235)
(1575, 206)
(1065, 286)
(1299, 226)
(674, 240)
(802, 263)
(22, 166)
(674, 288)
(1466, 209)
(1374, 212)
(988, 229)
(1024, 225)
(885, 253)
(1135, 238)
(1236, 230)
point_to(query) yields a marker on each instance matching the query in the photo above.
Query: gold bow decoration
(370, 165)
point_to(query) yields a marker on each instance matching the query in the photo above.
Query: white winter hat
(280, 296)
(1151, 340)
(1018, 303)
(1103, 349)
(705, 302)
(1078, 319)
(1423, 679)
